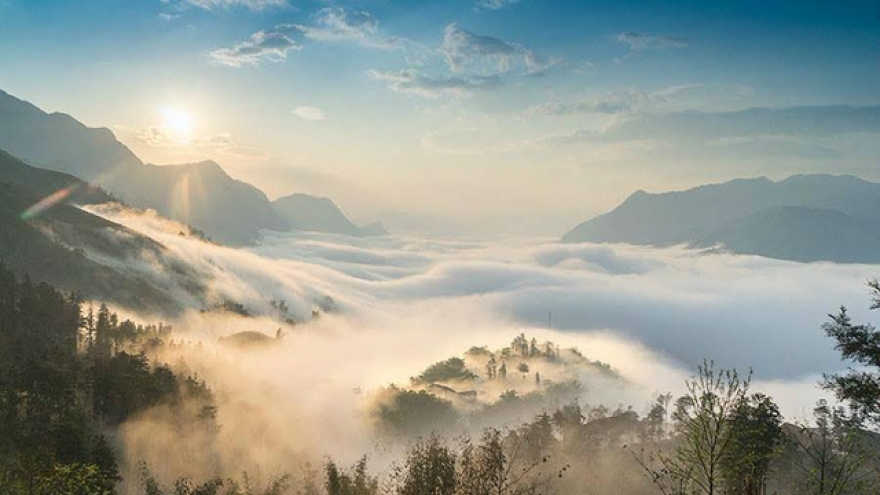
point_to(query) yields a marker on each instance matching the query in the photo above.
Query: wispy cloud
(339, 24)
(641, 42)
(309, 113)
(225, 4)
(466, 51)
(264, 46)
(411, 81)
(332, 24)
(633, 102)
(482, 5)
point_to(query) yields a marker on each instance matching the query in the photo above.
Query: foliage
(409, 413)
(355, 482)
(63, 380)
(453, 369)
(861, 344)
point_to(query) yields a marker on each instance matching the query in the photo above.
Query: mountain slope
(59, 142)
(312, 213)
(200, 194)
(802, 218)
(75, 250)
(43, 182)
(205, 196)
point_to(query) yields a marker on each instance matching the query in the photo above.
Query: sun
(178, 123)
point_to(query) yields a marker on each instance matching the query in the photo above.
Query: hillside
(205, 196)
(802, 218)
(75, 250)
(501, 386)
(311, 213)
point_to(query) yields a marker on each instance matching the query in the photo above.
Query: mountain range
(200, 194)
(802, 218)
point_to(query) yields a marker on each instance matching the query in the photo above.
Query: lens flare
(48, 202)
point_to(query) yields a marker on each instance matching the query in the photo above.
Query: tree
(829, 454)
(523, 368)
(429, 469)
(861, 344)
(706, 432)
(357, 482)
(502, 371)
(491, 368)
(756, 435)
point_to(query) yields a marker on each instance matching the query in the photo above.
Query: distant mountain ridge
(199, 194)
(312, 213)
(801, 218)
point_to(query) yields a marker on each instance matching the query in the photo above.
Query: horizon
(433, 117)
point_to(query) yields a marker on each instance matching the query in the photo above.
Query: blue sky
(482, 114)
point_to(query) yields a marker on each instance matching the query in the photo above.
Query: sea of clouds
(401, 303)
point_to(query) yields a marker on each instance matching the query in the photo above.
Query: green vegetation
(70, 376)
(453, 369)
(66, 382)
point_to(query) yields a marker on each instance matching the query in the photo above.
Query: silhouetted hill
(312, 213)
(46, 182)
(75, 250)
(802, 218)
(205, 196)
(200, 194)
(59, 142)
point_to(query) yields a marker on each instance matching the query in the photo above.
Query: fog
(389, 306)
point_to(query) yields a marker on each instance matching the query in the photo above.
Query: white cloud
(264, 46)
(339, 24)
(411, 81)
(494, 4)
(652, 314)
(309, 113)
(225, 4)
(464, 50)
(640, 42)
(467, 52)
(332, 24)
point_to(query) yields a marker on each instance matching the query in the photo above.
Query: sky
(502, 116)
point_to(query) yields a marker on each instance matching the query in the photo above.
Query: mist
(365, 313)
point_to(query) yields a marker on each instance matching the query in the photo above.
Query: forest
(71, 375)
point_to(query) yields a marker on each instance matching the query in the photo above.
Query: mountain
(200, 194)
(801, 218)
(205, 196)
(312, 213)
(59, 142)
(78, 251)
(44, 183)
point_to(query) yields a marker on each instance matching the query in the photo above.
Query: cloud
(615, 103)
(538, 65)
(263, 46)
(404, 302)
(195, 147)
(641, 42)
(467, 52)
(411, 81)
(226, 4)
(758, 123)
(332, 24)
(339, 24)
(482, 5)
(309, 113)
(464, 50)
